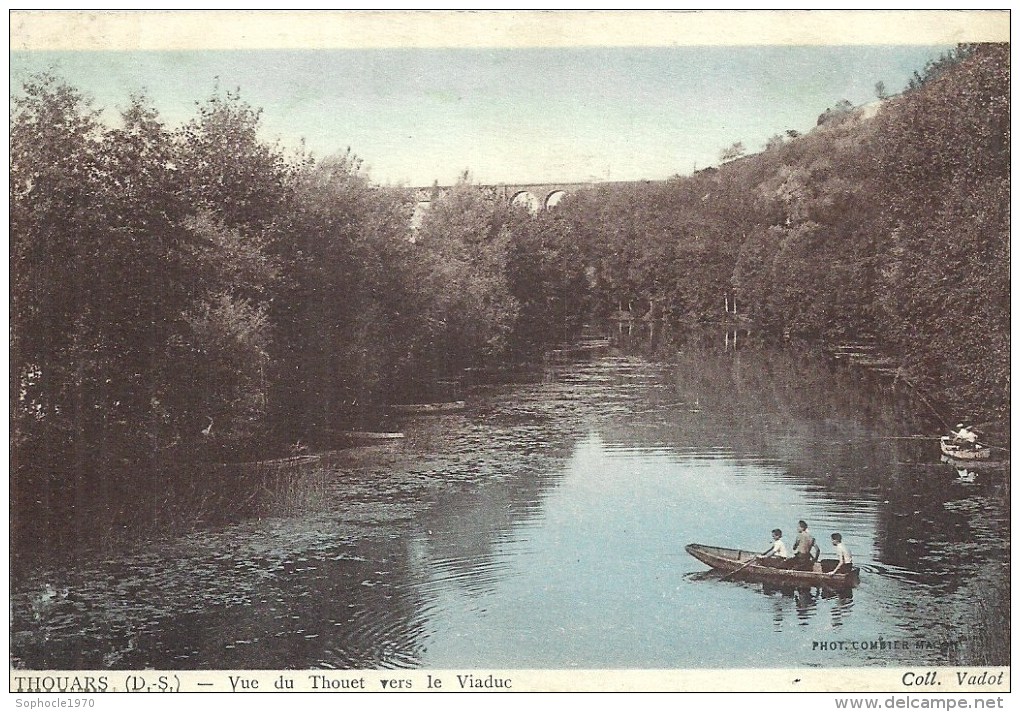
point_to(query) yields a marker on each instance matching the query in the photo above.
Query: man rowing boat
(845, 559)
(964, 434)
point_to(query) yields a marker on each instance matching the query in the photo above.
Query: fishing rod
(942, 420)
(921, 397)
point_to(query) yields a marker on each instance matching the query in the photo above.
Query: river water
(544, 527)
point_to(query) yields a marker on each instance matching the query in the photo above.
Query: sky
(522, 115)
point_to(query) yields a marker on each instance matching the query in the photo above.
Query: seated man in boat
(846, 561)
(965, 435)
(805, 548)
(777, 553)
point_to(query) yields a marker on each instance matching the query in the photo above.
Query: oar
(991, 447)
(753, 559)
(936, 437)
(907, 437)
(994, 447)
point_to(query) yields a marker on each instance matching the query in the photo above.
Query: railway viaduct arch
(536, 197)
(533, 196)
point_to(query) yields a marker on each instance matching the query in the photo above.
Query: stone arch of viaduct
(533, 196)
(536, 197)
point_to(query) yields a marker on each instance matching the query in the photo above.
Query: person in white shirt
(778, 549)
(846, 561)
(965, 434)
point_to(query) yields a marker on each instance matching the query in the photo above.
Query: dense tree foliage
(944, 166)
(884, 223)
(547, 279)
(197, 292)
(470, 313)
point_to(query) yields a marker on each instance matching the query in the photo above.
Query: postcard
(510, 351)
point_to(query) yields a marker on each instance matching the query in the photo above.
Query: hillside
(888, 222)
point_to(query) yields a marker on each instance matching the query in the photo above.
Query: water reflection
(801, 601)
(790, 605)
(460, 539)
(842, 607)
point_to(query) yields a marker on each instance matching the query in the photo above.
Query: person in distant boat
(846, 561)
(778, 550)
(805, 548)
(965, 434)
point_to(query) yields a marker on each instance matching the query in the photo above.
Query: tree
(734, 151)
(936, 67)
(228, 170)
(463, 242)
(835, 114)
(546, 276)
(944, 156)
(56, 248)
(355, 312)
(217, 360)
(122, 269)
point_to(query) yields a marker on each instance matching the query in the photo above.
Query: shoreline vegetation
(194, 295)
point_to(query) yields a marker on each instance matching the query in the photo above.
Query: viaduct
(533, 196)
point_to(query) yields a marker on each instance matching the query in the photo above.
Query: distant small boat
(738, 562)
(959, 451)
(428, 408)
(362, 436)
(995, 465)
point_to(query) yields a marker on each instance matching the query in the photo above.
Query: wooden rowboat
(736, 562)
(963, 452)
(429, 408)
(361, 436)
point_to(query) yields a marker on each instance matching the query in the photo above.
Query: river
(544, 527)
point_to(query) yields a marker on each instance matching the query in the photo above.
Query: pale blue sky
(507, 115)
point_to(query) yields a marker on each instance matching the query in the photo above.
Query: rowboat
(429, 408)
(957, 451)
(978, 465)
(368, 437)
(738, 563)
